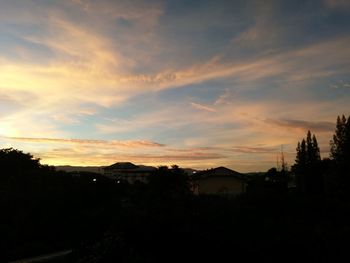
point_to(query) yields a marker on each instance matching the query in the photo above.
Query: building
(128, 172)
(220, 180)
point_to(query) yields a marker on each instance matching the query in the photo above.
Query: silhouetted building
(128, 172)
(220, 180)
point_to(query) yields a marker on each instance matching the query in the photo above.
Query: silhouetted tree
(338, 177)
(278, 177)
(18, 169)
(173, 182)
(12, 160)
(340, 144)
(316, 150)
(301, 153)
(283, 175)
(312, 149)
(307, 165)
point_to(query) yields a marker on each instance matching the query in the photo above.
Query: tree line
(330, 176)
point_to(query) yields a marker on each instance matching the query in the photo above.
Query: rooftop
(219, 172)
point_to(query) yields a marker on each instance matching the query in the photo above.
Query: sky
(197, 83)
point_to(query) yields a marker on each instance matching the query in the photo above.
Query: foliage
(340, 144)
(307, 166)
(308, 152)
(43, 210)
(279, 178)
(173, 182)
(338, 176)
(272, 182)
(13, 161)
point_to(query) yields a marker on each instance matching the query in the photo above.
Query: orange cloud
(304, 125)
(104, 143)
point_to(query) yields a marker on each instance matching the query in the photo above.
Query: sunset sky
(195, 83)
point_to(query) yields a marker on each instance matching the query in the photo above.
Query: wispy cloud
(202, 107)
(99, 143)
(226, 98)
(256, 150)
(299, 64)
(179, 157)
(340, 84)
(303, 125)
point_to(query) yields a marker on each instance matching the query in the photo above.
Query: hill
(69, 168)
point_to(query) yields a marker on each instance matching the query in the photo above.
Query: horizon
(138, 164)
(199, 84)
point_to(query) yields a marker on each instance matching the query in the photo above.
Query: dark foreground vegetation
(101, 220)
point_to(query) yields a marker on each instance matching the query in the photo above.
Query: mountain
(99, 169)
(69, 168)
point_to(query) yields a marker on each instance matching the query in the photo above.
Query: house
(220, 180)
(129, 172)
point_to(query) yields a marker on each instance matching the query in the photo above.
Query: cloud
(337, 3)
(303, 125)
(179, 157)
(294, 65)
(226, 98)
(88, 69)
(340, 84)
(79, 68)
(256, 150)
(264, 34)
(202, 107)
(97, 143)
(129, 10)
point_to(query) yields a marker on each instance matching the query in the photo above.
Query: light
(94, 180)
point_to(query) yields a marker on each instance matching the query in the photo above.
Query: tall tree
(300, 160)
(316, 149)
(309, 148)
(340, 144)
(338, 177)
(307, 165)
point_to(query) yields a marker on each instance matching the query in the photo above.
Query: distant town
(219, 180)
